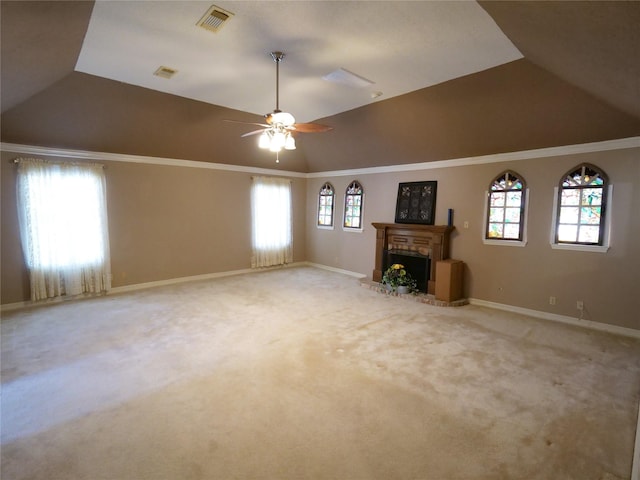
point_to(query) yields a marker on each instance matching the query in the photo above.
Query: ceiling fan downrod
(277, 57)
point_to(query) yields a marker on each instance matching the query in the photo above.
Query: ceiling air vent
(214, 19)
(165, 72)
(345, 77)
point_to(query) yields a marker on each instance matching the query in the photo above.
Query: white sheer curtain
(272, 237)
(62, 209)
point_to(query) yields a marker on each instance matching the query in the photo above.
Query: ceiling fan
(277, 133)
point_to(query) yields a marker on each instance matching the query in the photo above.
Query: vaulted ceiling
(447, 79)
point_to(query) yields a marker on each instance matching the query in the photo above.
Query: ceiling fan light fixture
(284, 118)
(278, 140)
(277, 133)
(290, 142)
(264, 141)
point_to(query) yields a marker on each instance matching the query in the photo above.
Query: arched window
(353, 203)
(581, 206)
(506, 203)
(326, 203)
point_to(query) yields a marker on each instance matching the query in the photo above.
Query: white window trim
(344, 209)
(333, 212)
(506, 243)
(583, 248)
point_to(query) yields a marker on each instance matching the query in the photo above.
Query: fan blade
(311, 128)
(247, 123)
(255, 132)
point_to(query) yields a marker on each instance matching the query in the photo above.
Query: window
(353, 203)
(62, 212)
(505, 209)
(581, 203)
(272, 237)
(326, 202)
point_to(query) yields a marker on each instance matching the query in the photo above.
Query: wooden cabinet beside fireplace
(416, 240)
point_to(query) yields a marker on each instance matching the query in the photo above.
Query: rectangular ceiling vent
(214, 19)
(345, 77)
(165, 72)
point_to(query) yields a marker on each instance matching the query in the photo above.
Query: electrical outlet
(580, 305)
(552, 300)
(466, 224)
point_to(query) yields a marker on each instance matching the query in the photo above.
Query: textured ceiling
(400, 46)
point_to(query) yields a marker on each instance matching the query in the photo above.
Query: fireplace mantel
(426, 240)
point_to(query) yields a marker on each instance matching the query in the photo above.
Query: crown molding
(122, 157)
(607, 145)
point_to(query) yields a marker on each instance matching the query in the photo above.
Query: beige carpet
(301, 373)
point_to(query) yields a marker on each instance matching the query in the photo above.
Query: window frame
(524, 211)
(344, 213)
(333, 207)
(605, 210)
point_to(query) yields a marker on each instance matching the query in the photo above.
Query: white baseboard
(334, 269)
(604, 327)
(195, 278)
(48, 301)
(14, 306)
(174, 281)
(143, 286)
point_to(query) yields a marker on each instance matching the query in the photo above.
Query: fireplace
(418, 247)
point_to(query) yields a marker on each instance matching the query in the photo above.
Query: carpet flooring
(300, 373)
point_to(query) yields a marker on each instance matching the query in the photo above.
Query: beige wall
(608, 283)
(169, 222)
(164, 222)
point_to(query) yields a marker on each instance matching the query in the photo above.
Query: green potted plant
(397, 279)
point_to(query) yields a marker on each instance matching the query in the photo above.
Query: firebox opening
(416, 264)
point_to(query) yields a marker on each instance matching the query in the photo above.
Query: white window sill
(505, 243)
(353, 230)
(581, 248)
(324, 227)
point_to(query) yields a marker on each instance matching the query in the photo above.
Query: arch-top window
(326, 203)
(353, 203)
(506, 207)
(582, 197)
